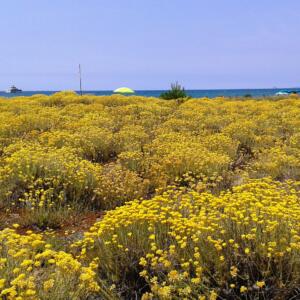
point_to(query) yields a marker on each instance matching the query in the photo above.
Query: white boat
(13, 90)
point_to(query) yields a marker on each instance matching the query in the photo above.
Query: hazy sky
(147, 44)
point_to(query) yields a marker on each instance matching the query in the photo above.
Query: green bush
(176, 92)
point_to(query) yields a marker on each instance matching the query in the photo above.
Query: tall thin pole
(80, 81)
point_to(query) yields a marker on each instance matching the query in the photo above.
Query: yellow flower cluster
(46, 179)
(216, 184)
(190, 244)
(31, 269)
(58, 147)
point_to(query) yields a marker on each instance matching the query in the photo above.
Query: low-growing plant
(243, 244)
(205, 229)
(30, 269)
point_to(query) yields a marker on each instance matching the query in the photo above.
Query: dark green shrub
(248, 96)
(176, 92)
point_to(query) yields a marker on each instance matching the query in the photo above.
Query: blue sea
(191, 93)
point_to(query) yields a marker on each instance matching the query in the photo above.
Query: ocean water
(156, 93)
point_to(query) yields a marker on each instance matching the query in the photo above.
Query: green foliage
(176, 92)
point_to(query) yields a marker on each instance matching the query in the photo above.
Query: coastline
(199, 93)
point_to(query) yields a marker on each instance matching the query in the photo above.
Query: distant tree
(176, 92)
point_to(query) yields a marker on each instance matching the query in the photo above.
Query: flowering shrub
(31, 269)
(38, 176)
(219, 181)
(244, 242)
(159, 140)
(45, 179)
(92, 143)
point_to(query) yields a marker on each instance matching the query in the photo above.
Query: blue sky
(147, 44)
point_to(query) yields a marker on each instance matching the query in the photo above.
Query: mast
(80, 81)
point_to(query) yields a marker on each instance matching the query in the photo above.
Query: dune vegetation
(115, 197)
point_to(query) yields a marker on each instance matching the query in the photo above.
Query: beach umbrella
(124, 90)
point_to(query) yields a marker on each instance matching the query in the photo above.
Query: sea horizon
(194, 93)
